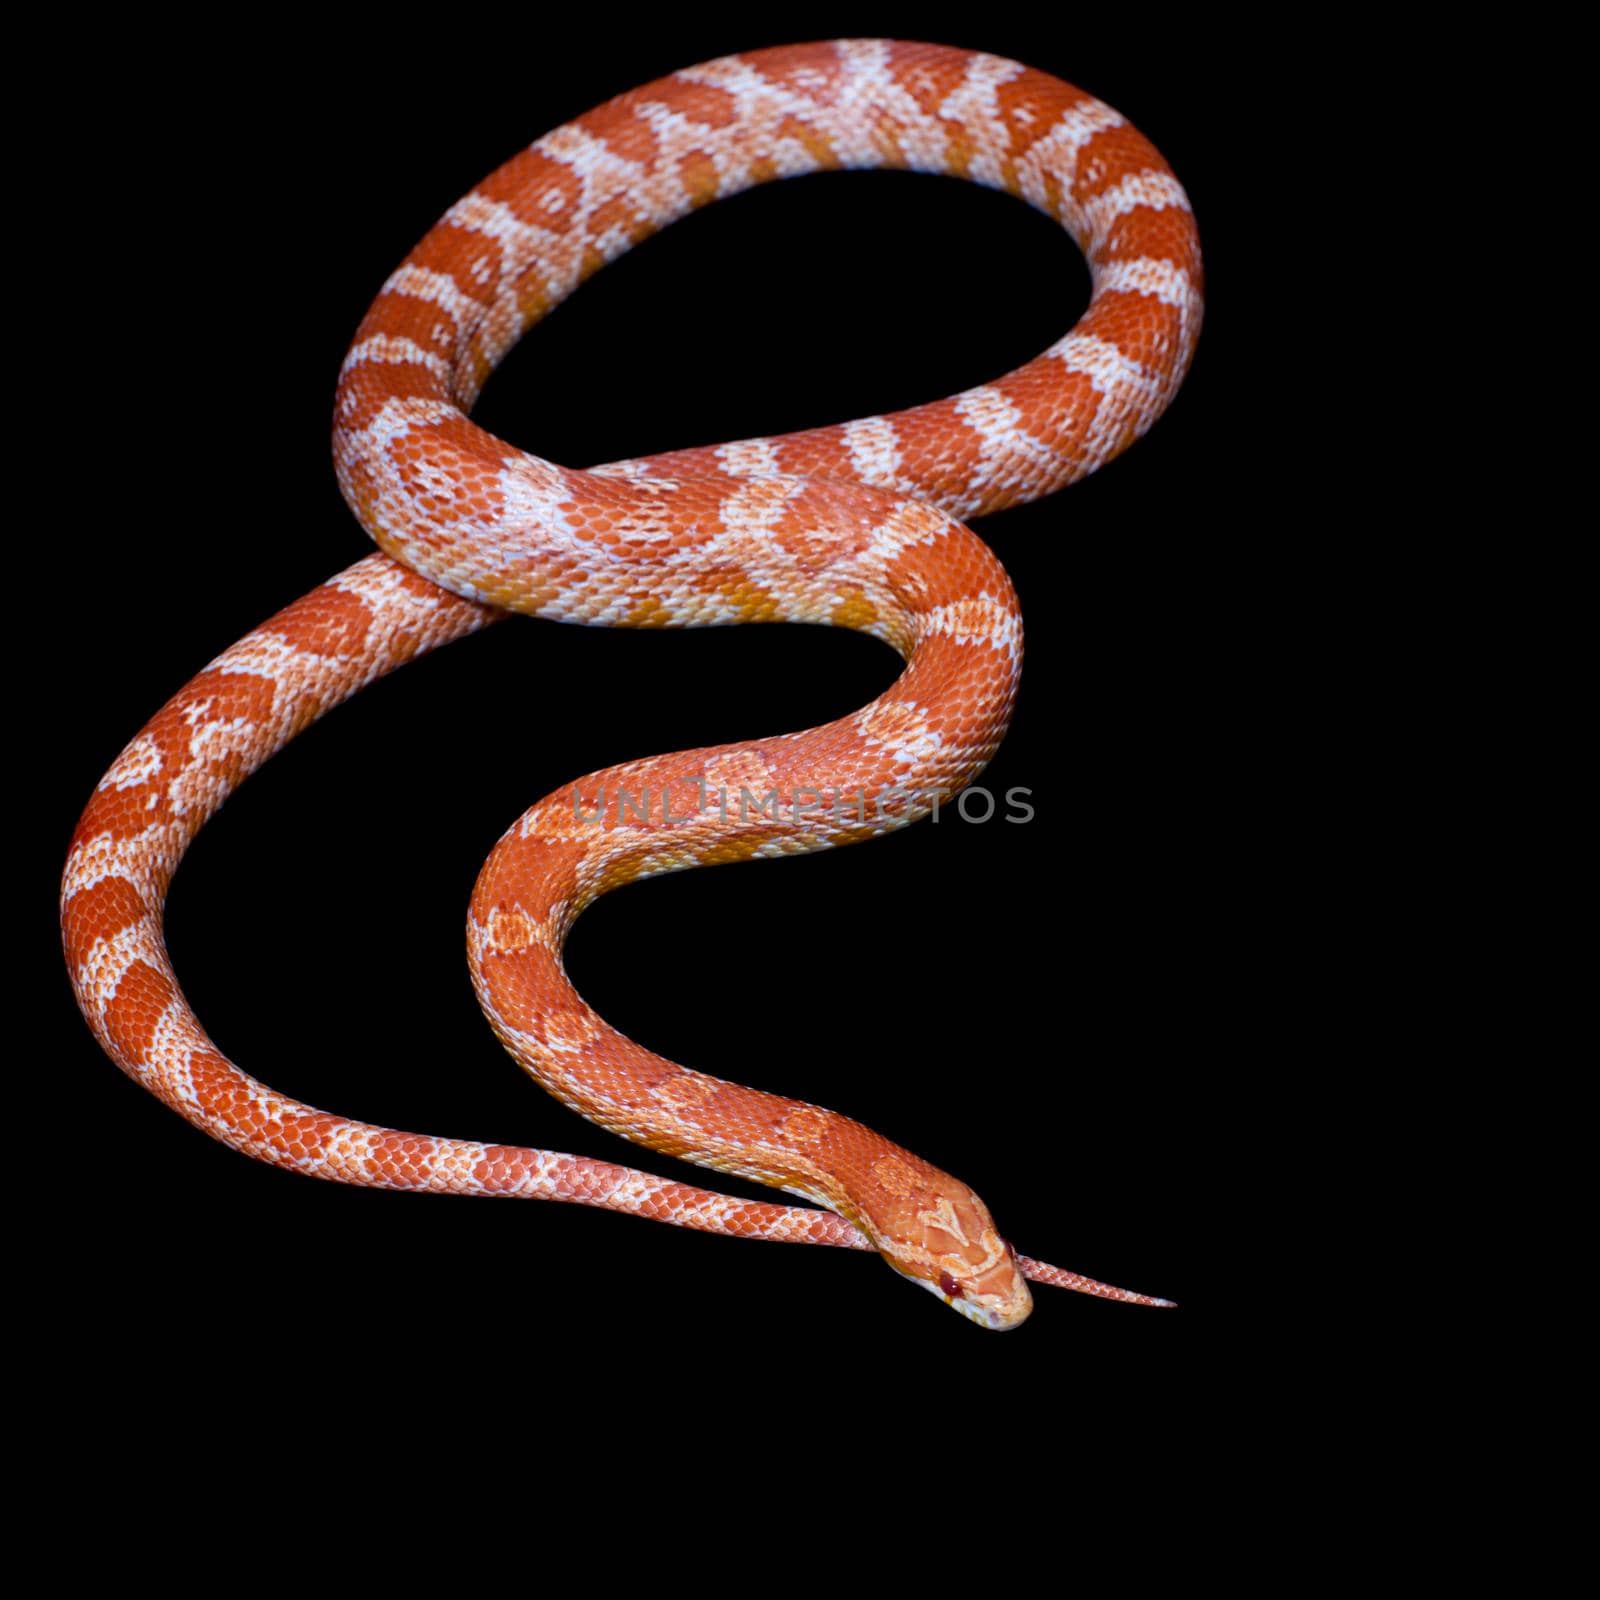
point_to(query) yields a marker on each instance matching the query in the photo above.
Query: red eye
(950, 1286)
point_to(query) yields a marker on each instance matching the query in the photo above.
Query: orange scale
(1110, 156)
(369, 393)
(102, 911)
(472, 261)
(621, 129)
(538, 189)
(335, 622)
(307, 1134)
(137, 1007)
(1156, 233)
(408, 316)
(1146, 330)
(698, 174)
(405, 1158)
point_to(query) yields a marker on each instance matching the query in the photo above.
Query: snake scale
(854, 525)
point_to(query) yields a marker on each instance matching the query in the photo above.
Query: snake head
(943, 1238)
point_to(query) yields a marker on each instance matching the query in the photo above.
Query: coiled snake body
(853, 525)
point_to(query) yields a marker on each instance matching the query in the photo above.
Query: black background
(1083, 1016)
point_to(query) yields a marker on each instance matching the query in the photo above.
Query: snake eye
(950, 1286)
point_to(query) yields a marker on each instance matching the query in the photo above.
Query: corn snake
(849, 525)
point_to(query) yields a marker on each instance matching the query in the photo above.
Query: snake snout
(1000, 1298)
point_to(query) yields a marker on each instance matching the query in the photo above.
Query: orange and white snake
(853, 525)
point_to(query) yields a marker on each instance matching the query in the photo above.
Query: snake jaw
(1005, 1305)
(1000, 1312)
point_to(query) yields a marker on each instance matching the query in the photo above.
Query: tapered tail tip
(1060, 1278)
